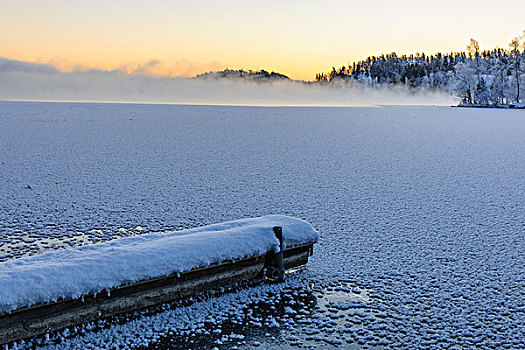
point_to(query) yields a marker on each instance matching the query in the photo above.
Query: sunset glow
(297, 38)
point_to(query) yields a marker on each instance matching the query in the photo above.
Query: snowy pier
(63, 288)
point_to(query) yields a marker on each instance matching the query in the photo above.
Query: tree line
(479, 78)
(254, 75)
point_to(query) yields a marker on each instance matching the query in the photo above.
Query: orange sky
(297, 38)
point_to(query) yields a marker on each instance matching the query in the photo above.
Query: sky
(296, 38)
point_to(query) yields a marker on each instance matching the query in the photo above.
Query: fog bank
(41, 82)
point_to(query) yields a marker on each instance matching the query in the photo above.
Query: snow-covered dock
(62, 288)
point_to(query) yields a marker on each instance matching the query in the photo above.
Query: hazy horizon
(299, 39)
(23, 81)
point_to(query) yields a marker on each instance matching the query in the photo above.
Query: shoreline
(509, 106)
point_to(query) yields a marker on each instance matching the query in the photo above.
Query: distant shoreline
(509, 106)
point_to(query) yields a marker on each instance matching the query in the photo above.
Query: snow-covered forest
(487, 78)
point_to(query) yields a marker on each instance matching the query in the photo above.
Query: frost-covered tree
(517, 66)
(497, 70)
(490, 78)
(474, 55)
(463, 82)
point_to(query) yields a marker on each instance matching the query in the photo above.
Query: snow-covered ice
(74, 272)
(420, 210)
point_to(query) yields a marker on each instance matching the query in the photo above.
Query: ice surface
(71, 273)
(421, 212)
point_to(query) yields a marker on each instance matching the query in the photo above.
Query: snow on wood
(71, 273)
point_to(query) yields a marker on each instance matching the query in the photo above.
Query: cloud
(12, 66)
(154, 67)
(139, 83)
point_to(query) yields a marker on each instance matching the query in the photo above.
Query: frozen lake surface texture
(421, 213)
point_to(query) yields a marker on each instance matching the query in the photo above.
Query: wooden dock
(43, 318)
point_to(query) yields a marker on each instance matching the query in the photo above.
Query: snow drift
(72, 273)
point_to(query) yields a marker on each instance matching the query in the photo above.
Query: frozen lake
(421, 212)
